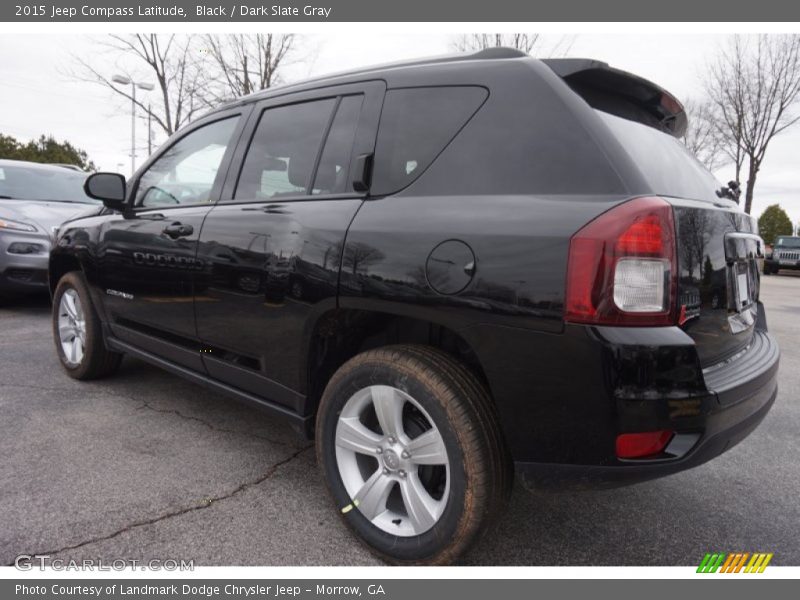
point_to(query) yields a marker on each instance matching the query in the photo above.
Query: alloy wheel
(71, 327)
(392, 460)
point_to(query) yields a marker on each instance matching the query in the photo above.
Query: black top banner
(401, 11)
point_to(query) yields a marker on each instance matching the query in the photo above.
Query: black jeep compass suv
(448, 272)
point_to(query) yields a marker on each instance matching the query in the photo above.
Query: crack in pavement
(42, 388)
(206, 503)
(211, 426)
(146, 404)
(18, 340)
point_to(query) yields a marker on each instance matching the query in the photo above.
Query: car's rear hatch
(717, 244)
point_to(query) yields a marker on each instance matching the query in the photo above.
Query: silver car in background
(34, 200)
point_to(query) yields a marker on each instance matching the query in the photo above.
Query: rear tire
(410, 448)
(77, 331)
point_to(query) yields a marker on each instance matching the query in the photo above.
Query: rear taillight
(622, 267)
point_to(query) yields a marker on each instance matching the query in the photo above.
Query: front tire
(411, 451)
(77, 332)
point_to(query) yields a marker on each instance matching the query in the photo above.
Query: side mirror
(108, 187)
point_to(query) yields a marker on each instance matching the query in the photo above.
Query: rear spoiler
(621, 93)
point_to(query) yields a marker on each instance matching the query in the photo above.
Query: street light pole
(133, 128)
(149, 130)
(122, 80)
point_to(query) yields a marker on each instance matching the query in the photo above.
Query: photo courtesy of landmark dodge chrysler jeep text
(449, 272)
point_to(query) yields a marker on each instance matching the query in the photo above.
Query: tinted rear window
(416, 125)
(669, 168)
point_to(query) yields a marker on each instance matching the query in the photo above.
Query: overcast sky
(38, 96)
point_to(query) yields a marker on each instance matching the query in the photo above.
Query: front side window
(185, 174)
(283, 151)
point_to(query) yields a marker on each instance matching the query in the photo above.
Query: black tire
(97, 360)
(461, 409)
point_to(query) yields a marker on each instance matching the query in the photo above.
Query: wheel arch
(338, 334)
(60, 265)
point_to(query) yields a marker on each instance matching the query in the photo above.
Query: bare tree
(695, 228)
(170, 60)
(526, 42)
(358, 255)
(754, 84)
(703, 136)
(240, 64)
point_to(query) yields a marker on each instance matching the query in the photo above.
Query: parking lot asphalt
(147, 466)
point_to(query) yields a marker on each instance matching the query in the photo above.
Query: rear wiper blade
(6, 197)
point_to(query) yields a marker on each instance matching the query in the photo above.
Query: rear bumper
(736, 397)
(563, 399)
(723, 430)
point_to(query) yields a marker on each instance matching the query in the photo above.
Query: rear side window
(334, 164)
(416, 125)
(282, 153)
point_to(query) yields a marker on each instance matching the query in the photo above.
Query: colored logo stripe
(758, 563)
(734, 562)
(711, 562)
(741, 562)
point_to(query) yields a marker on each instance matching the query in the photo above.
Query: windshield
(32, 183)
(788, 242)
(667, 165)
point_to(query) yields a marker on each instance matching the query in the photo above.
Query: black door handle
(178, 229)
